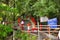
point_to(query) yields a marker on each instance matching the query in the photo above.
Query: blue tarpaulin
(52, 23)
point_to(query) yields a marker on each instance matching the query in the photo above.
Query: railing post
(13, 34)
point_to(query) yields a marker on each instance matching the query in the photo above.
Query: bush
(24, 36)
(5, 30)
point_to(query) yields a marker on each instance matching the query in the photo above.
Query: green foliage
(5, 31)
(30, 7)
(37, 7)
(7, 11)
(44, 7)
(24, 36)
(22, 6)
(4, 7)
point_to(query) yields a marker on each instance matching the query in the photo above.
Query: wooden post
(13, 34)
(40, 27)
(48, 30)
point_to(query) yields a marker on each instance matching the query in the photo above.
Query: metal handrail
(42, 31)
(48, 25)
